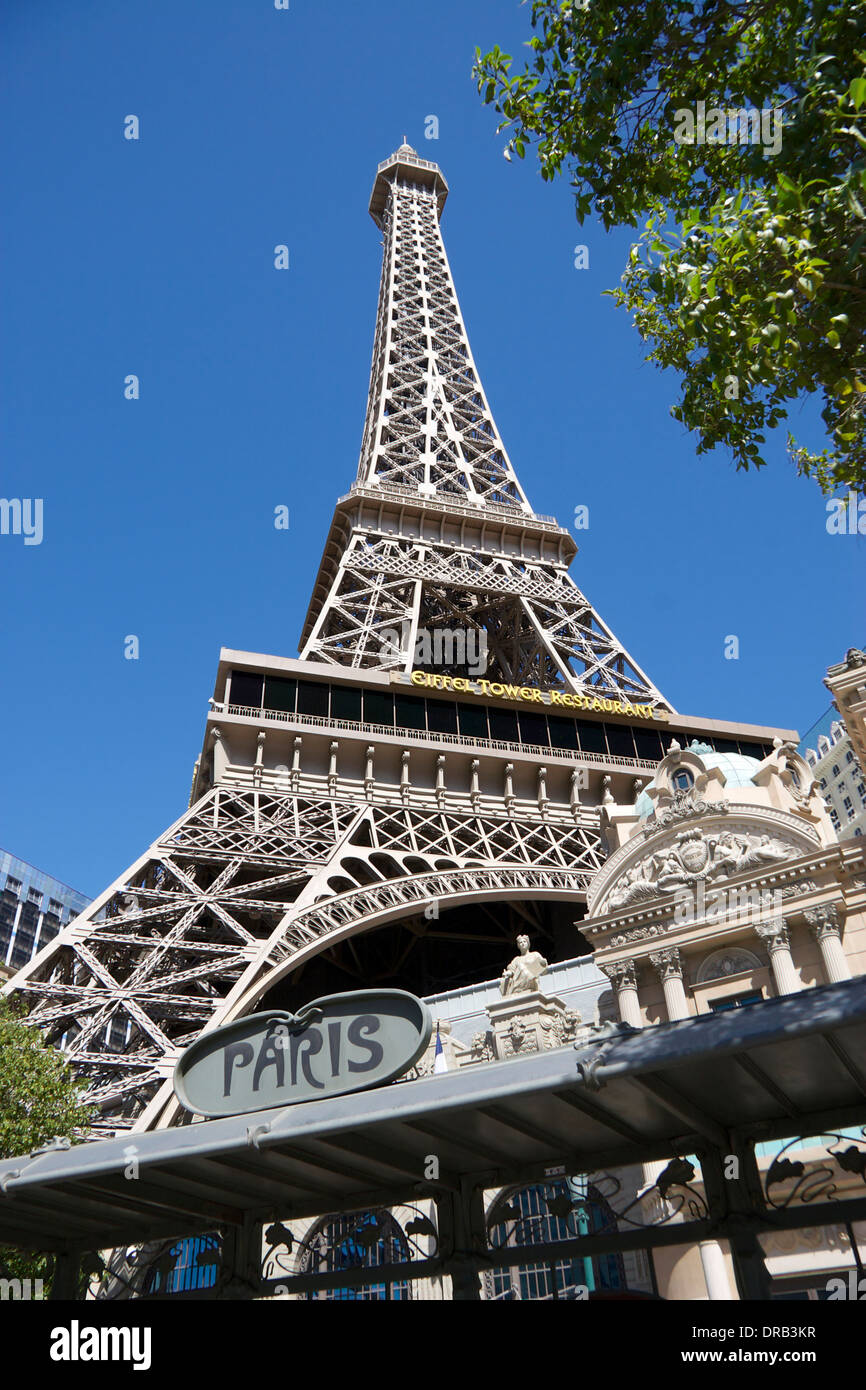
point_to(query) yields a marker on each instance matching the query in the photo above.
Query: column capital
(667, 963)
(823, 921)
(621, 973)
(774, 934)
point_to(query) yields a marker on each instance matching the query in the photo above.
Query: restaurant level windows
(410, 712)
(591, 736)
(533, 728)
(473, 721)
(563, 733)
(752, 750)
(503, 725)
(379, 707)
(620, 741)
(313, 698)
(441, 716)
(648, 744)
(280, 693)
(345, 703)
(246, 689)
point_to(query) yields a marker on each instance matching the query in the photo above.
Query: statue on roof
(521, 975)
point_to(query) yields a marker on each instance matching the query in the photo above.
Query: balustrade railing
(536, 750)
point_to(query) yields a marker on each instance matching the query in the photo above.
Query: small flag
(439, 1062)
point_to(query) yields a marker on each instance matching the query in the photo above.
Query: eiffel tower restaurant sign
(340, 1043)
(564, 699)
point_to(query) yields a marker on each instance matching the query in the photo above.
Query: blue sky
(155, 257)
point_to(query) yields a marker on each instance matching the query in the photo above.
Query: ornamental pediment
(678, 858)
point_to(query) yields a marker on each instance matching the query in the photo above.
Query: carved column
(623, 978)
(715, 1272)
(440, 781)
(295, 780)
(509, 787)
(259, 762)
(220, 756)
(670, 972)
(826, 929)
(368, 773)
(474, 789)
(404, 777)
(332, 769)
(774, 935)
(575, 793)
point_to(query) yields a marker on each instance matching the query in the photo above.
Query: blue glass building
(33, 908)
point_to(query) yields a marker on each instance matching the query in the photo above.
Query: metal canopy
(789, 1066)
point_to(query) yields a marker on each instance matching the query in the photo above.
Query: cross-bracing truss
(243, 887)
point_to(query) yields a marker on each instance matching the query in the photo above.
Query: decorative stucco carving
(696, 856)
(823, 921)
(774, 934)
(732, 961)
(639, 934)
(667, 963)
(621, 974)
(560, 1030)
(794, 890)
(684, 806)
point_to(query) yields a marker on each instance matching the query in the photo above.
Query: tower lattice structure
(307, 832)
(405, 554)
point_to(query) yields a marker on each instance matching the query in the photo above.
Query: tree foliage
(39, 1100)
(749, 273)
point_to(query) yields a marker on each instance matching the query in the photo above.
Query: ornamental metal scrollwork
(285, 1254)
(819, 1181)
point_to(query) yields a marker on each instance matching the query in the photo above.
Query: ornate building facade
(463, 754)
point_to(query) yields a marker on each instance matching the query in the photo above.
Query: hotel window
(359, 1239)
(682, 780)
(182, 1267)
(836, 769)
(849, 807)
(736, 1001)
(834, 818)
(531, 1216)
(849, 756)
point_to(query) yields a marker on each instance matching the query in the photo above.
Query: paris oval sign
(337, 1044)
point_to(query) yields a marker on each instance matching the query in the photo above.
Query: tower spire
(437, 532)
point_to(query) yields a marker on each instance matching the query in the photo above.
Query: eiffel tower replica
(424, 782)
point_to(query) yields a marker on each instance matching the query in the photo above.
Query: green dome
(737, 770)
